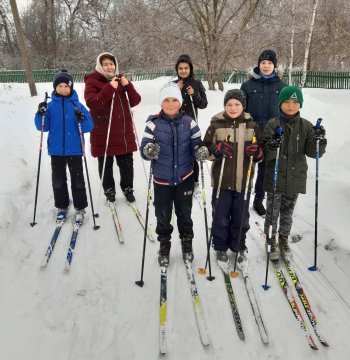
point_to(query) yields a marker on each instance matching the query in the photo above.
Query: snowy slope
(96, 312)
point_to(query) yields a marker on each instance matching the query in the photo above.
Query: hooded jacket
(241, 131)
(98, 97)
(298, 143)
(61, 123)
(262, 96)
(199, 98)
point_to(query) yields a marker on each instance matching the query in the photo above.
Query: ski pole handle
(279, 131)
(318, 123)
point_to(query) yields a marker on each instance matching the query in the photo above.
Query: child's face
(266, 67)
(290, 107)
(62, 89)
(183, 70)
(108, 66)
(171, 107)
(233, 108)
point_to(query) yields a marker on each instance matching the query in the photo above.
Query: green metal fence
(314, 79)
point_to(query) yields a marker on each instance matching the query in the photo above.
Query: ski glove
(319, 134)
(151, 151)
(275, 142)
(201, 153)
(42, 108)
(224, 148)
(79, 115)
(253, 150)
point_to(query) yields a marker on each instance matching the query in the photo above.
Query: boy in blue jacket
(61, 117)
(172, 141)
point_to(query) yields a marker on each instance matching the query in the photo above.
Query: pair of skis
(201, 323)
(117, 223)
(72, 243)
(294, 305)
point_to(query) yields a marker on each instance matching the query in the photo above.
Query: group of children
(172, 141)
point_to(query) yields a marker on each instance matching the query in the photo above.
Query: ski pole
(217, 196)
(279, 132)
(39, 162)
(246, 199)
(210, 277)
(105, 154)
(141, 282)
(96, 227)
(314, 267)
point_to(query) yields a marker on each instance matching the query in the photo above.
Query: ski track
(97, 312)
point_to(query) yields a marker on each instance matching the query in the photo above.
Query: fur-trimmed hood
(254, 74)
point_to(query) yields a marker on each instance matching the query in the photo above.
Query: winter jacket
(177, 138)
(98, 96)
(61, 123)
(262, 96)
(199, 98)
(241, 131)
(297, 143)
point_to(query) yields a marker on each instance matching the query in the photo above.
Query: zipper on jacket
(64, 128)
(121, 105)
(297, 143)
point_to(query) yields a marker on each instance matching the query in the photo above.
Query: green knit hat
(291, 93)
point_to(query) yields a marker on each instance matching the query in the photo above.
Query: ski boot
(187, 252)
(129, 194)
(79, 217)
(164, 253)
(258, 206)
(242, 256)
(222, 260)
(61, 215)
(273, 248)
(285, 250)
(110, 195)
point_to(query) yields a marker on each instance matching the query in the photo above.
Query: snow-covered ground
(96, 312)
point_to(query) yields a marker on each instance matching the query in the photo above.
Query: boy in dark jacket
(61, 117)
(171, 140)
(193, 95)
(240, 128)
(297, 142)
(262, 90)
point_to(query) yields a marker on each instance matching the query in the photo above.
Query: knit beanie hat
(170, 89)
(186, 59)
(63, 77)
(291, 93)
(268, 55)
(235, 94)
(99, 67)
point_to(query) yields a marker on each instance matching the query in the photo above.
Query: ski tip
(313, 268)
(234, 274)
(312, 343)
(211, 278)
(139, 283)
(265, 287)
(202, 271)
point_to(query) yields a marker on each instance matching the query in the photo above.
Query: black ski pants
(180, 196)
(59, 181)
(126, 170)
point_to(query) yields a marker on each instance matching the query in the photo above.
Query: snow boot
(164, 253)
(258, 206)
(129, 194)
(187, 252)
(285, 250)
(110, 195)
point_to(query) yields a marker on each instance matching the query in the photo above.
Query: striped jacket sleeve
(148, 136)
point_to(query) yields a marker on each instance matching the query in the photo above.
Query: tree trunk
(308, 42)
(22, 46)
(292, 45)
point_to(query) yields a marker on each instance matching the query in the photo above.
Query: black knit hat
(268, 55)
(235, 94)
(63, 77)
(184, 58)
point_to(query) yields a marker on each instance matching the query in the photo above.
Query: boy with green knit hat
(296, 140)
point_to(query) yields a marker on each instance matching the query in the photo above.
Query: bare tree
(290, 68)
(308, 42)
(22, 45)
